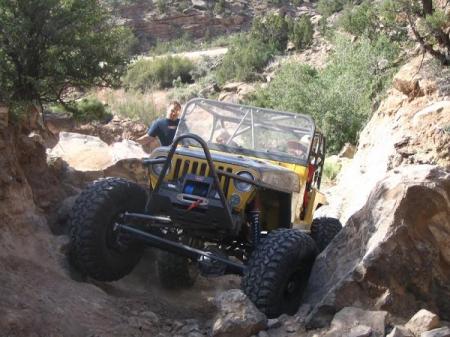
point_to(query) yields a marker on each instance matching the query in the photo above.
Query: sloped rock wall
(393, 254)
(404, 130)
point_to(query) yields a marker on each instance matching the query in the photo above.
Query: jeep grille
(199, 167)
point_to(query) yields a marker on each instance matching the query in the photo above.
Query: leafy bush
(85, 110)
(340, 96)
(359, 20)
(161, 5)
(219, 7)
(271, 30)
(328, 7)
(245, 57)
(201, 88)
(301, 32)
(91, 109)
(159, 72)
(47, 46)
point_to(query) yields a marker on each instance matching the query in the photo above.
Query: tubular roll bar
(209, 160)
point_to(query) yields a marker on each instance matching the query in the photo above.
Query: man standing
(163, 129)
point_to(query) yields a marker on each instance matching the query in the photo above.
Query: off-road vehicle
(234, 193)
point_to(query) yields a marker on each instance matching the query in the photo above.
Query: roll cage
(248, 119)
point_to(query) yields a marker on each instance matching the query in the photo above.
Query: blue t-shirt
(164, 129)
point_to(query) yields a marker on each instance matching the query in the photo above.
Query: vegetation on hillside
(340, 96)
(428, 23)
(158, 72)
(50, 46)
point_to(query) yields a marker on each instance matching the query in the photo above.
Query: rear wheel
(278, 271)
(95, 246)
(323, 230)
(175, 271)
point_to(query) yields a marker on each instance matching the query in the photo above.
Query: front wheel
(323, 231)
(278, 271)
(95, 246)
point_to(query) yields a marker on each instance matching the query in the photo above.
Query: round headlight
(241, 185)
(157, 168)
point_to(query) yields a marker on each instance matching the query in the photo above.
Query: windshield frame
(245, 110)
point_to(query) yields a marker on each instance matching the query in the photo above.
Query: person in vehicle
(296, 148)
(163, 129)
(223, 137)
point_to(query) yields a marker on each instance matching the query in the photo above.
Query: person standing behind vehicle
(164, 129)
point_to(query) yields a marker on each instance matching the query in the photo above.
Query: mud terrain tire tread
(283, 253)
(323, 230)
(92, 214)
(173, 271)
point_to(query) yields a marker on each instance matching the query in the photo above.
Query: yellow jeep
(235, 193)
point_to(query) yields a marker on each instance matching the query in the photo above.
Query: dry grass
(143, 107)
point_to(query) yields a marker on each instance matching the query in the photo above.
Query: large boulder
(393, 254)
(403, 131)
(237, 316)
(422, 321)
(90, 153)
(356, 322)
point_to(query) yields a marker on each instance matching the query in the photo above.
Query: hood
(269, 175)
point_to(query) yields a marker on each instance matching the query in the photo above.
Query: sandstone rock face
(393, 254)
(89, 153)
(348, 151)
(403, 131)
(406, 81)
(237, 316)
(115, 130)
(41, 296)
(235, 92)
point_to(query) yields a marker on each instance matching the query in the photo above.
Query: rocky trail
(389, 263)
(195, 55)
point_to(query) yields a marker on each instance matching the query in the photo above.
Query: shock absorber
(255, 226)
(254, 215)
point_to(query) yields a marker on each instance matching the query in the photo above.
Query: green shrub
(91, 109)
(159, 72)
(328, 7)
(245, 57)
(359, 20)
(219, 7)
(85, 110)
(271, 30)
(301, 32)
(331, 169)
(185, 92)
(340, 96)
(161, 5)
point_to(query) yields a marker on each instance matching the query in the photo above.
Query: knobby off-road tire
(278, 271)
(323, 230)
(94, 248)
(175, 271)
